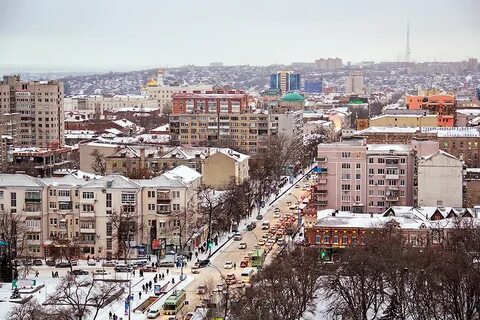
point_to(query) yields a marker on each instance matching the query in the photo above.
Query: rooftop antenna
(407, 48)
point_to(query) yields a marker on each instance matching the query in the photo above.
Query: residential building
(442, 105)
(285, 81)
(212, 102)
(40, 162)
(223, 167)
(354, 83)
(440, 180)
(328, 64)
(472, 186)
(403, 120)
(163, 94)
(40, 104)
(81, 209)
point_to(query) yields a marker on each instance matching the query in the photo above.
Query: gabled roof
(126, 152)
(183, 174)
(112, 182)
(69, 180)
(438, 153)
(19, 180)
(425, 213)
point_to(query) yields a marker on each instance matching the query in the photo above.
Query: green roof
(292, 96)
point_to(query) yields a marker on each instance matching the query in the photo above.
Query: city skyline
(73, 36)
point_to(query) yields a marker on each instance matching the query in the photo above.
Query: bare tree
(124, 230)
(65, 249)
(30, 310)
(84, 297)
(99, 165)
(12, 232)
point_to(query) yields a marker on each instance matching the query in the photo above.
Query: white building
(440, 180)
(354, 83)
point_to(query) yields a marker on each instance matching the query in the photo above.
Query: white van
(247, 275)
(265, 225)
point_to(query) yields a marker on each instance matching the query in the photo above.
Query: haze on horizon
(122, 35)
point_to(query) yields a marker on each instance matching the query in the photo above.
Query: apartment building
(81, 209)
(359, 177)
(442, 105)
(403, 120)
(40, 104)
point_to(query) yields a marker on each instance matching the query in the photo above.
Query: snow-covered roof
(19, 180)
(112, 181)
(183, 173)
(439, 152)
(163, 128)
(124, 123)
(113, 131)
(387, 148)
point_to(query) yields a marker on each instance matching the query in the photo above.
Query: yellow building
(223, 167)
(404, 120)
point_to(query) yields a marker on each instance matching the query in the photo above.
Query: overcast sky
(121, 34)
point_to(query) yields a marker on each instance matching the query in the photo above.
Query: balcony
(32, 198)
(64, 199)
(87, 214)
(391, 198)
(322, 181)
(163, 196)
(321, 192)
(392, 176)
(322, 159)
(88, 201)
(322, 202)
(87, 230)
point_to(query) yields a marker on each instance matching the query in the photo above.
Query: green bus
(257, 257)
(174, 302)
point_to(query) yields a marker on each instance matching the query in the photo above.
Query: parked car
(195, 270)
(202, 263)
(37, 262)
(242, 245)
(259, 217)
(188, 316)
(230, 279)
(201, 289)
(91, 262)
(79, 272)
(122, 268)
(281, 242)
(27, 262)
(289, 203)
(108, 264)
(244, 262)
(100, 272)
(276, 210)
(149, 269)
(140, 263)
(62, 265)
(276, 214)
(74, 263)
(153, 313)
(228, 265)
(50, 263)
(237, 237)
(297, 186)
(252, 225)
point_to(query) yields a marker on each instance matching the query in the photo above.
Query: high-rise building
(312, 87)
(328, 64)
(354, 83)
(285, 81)
(40, 105)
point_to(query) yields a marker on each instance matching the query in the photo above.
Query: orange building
(443, 105)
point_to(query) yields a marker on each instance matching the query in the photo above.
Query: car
(230, 279)
(78, 272)
(297, 186)
(293, 207)
(188, 316)
(289, 203)
(172, 318)
(237, 237)
(108, 264)
(306, 185)
(252, 225)
(259, 217)
(74, 263)
(201, 289)
(228, 265)
(91, 262)
(140, 263)
(261, 242)
(276, 210)
(148, 269)
(123, 268)
(153, 313)
(37, 262)
(100, 272)
(281, 242)
(195, 270)
(244, 262)
(242, 245)
(27, 262)
(62, 265)
(271, 241)
(202, 263)
(276, 214)
(50, 263)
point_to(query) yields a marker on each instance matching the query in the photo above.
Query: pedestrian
(143, 287)
(110, 315)
(114, 316)
(36, 274)
(167, 272)
(163, 276)
(153, 264)
(133, 271)
(196, 254)
(173, 280)
(234, 266)
(53, 274)
(140, 295)
(56, 274)
(150, 284)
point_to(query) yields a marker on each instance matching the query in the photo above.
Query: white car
(242, 246)
(277, 214)
(91, 262)
(297, 186)
(276, 210)
(228, 265)
(100, 272)
(237, 237)
(153, 313)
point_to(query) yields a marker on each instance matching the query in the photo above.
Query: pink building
(365, 178)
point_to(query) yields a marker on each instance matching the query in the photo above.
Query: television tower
(407, 48)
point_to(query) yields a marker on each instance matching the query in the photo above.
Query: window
(344, 239)
(13, 199)
(358, 165)
(381, 204)
(402, 193)
(402, 172)
(326, 238)
(345, 165)
(345, 198)
(64, 193)
(1, 194)
(335, 239)
(161, 225)
(345, 176)
(87, 224)
(53, 205)
(87, 208)
(381, 171)
(128, 197)
(402, 182)
(381, 193)
(381, 160)
(151, 206)
(403, 160)
(108, 198)
(392, 182)
(53, 221)
(346, 155)
(357, 187)
(109, 229)
(357, 199)
(175, 194)
(151, 194)
(358, 176)
(371, 182)
(317, 238)
(381, 182)
(345, 208)
(371, 171)
(176, 206)
(345, 187)
(370, 160)
(88, 195)
(76, 193)
(109, 244)
(370, 192)
(163, 208)
(32, 223)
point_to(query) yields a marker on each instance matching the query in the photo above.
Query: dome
(293, 97)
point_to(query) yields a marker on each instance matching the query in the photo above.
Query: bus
(174, 302)
(257, 257)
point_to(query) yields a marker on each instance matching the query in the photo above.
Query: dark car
(259, 217)
(252, 225)
(202, 263)
(62, 265)
(27, 262)
(50, 263)
(79, 272)
(140, 263)
(37, 262)
(122, 268)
